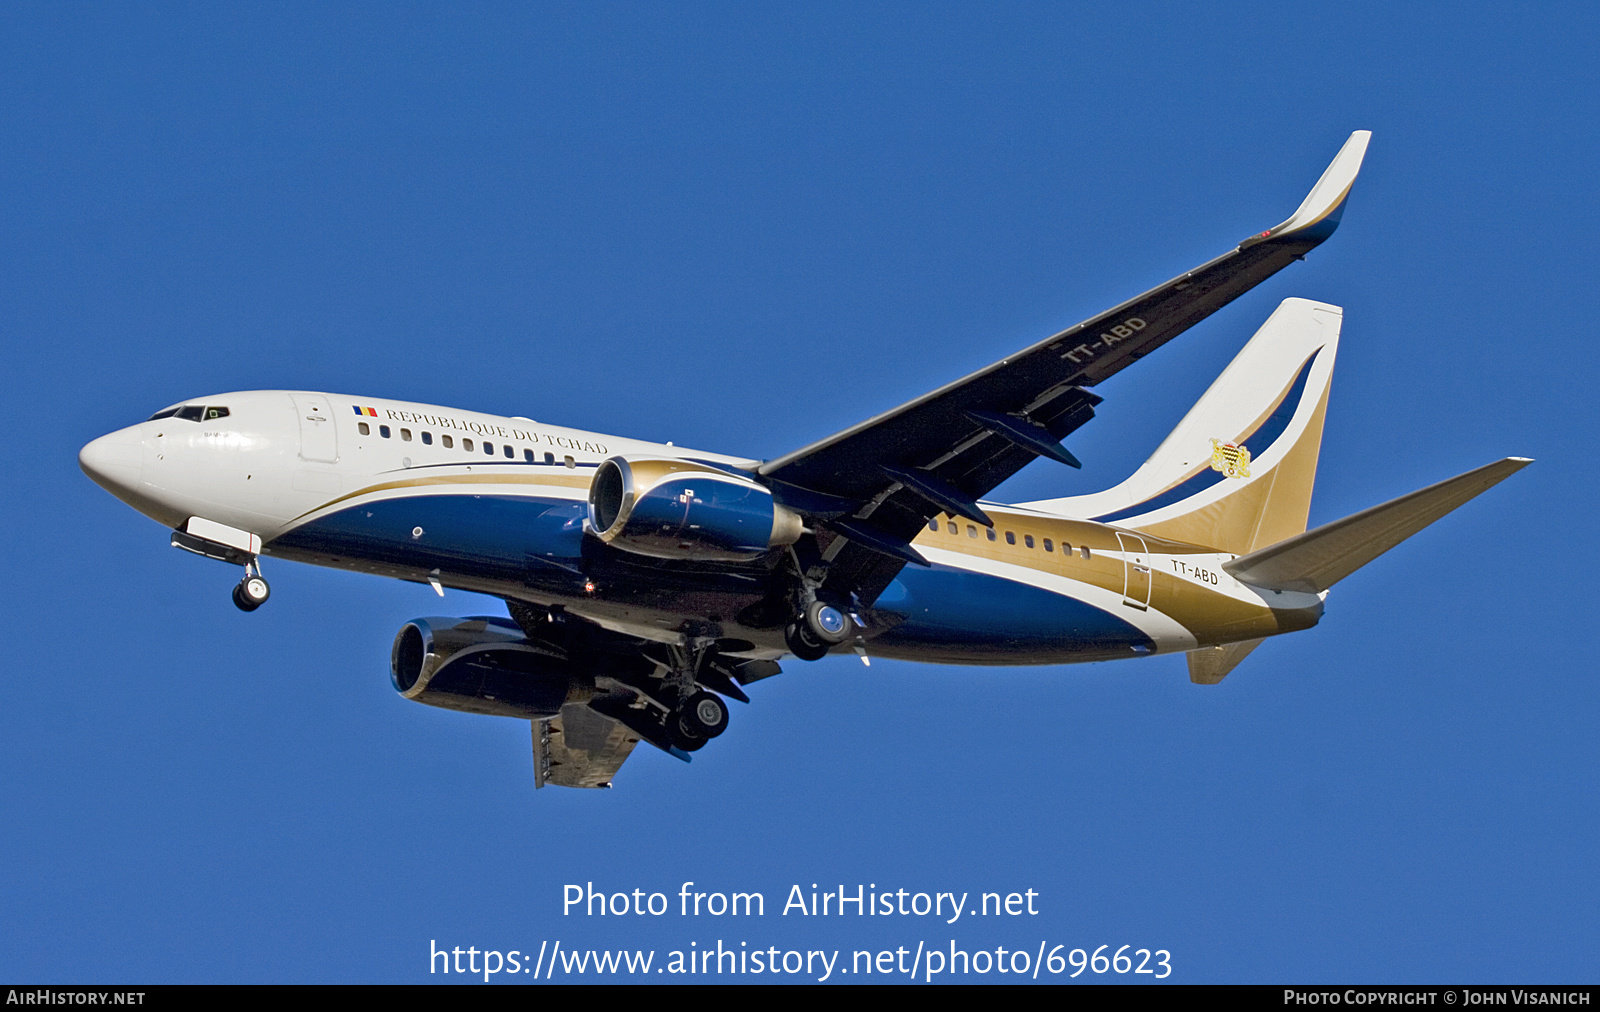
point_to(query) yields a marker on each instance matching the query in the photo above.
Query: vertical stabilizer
(1236, 474)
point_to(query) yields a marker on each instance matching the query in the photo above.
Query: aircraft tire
(683, 735)
(703, 715)
(240, 601)
(826, 624)
(800, 643)
(255, 590)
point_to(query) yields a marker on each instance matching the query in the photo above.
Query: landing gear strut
(698, 715)
(251, 592)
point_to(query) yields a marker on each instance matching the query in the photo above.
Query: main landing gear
(669, 694)
(817, 629)
(696, 715)
(698, 719)
(251, 592)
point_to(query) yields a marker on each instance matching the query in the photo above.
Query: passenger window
(972, 531)
(570, 462)
(1085, 551)
(953, 528)
(549, 458)
(364, 428)
(466, 444)
(509, 452)
(1027, 539)
(216, 412)
(527, 455)
(427, 439)
(488, 449)
(990, 532)
(383, 430)
(933, 525)
(1066, 549)
(1011, 538)
(1049, 546)
(405, 435)
(447, 441)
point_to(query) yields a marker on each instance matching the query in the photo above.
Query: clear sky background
(740, 228)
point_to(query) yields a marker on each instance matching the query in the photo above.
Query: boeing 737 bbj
(645, 583)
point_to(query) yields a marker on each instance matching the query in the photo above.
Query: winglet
(1318, 215)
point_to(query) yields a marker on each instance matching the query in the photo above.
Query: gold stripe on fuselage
(1210, 615)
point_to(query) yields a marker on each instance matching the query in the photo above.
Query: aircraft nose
(116, 461)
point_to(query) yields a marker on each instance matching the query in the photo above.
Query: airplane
(645, 583)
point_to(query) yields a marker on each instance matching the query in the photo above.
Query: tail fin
(1316, 560)
(1236, 474)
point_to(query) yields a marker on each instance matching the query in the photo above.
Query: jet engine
(481, 665)
(682, 509)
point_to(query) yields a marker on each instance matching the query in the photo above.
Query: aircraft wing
(877, 483)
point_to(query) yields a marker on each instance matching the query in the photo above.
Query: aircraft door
(318, 439)
(1135, 570)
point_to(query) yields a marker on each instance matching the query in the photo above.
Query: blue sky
(740, 228)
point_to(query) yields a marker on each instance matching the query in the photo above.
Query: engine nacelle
(681, 509)
(481, 665)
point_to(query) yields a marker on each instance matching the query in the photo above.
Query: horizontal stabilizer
(1316, 560)
(1210, 665)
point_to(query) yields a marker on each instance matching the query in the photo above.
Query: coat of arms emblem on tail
(1230, 459)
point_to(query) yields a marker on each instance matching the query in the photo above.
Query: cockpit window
(192, 413)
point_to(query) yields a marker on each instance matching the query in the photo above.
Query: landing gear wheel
(682, 736)
(251, 593)
(801, 644)
(703, 715)
(826, 624)
(239, 600)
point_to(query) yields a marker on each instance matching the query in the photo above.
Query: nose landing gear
(251, 592)
(228, 544)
